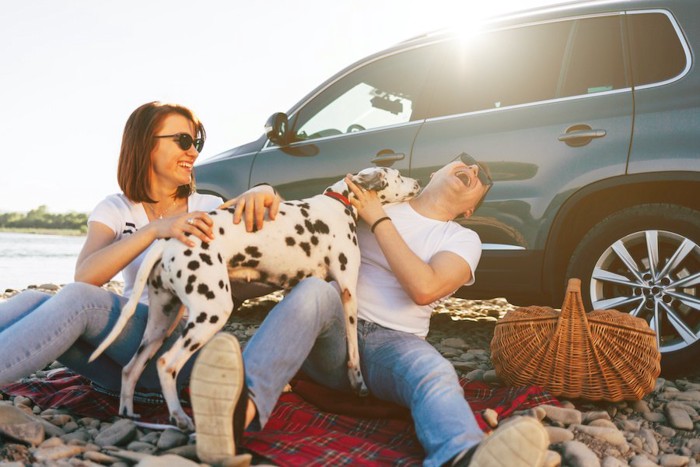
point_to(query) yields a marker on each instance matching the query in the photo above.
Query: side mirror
(276, 128)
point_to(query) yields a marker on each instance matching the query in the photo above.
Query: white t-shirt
(125, 217)
(381, 299)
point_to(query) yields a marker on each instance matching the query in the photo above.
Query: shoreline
(43, 231)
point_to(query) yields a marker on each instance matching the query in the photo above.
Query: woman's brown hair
(138, 141)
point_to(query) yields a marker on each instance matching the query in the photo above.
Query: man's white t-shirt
(381, 299)
(125, 217)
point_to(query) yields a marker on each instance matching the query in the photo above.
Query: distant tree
(41, 218)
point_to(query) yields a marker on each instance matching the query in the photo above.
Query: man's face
(468, 183)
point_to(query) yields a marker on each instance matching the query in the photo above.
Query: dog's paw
(182, 421)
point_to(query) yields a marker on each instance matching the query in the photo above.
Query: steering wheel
(355, 127)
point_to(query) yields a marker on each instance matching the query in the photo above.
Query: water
(34, 259)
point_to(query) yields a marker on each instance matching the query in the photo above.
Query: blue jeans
(306, 331)
(37, 329)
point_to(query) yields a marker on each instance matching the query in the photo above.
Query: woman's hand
(252, 206)
(367, 203)
(197, 223)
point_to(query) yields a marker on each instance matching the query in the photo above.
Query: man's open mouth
(464, 178)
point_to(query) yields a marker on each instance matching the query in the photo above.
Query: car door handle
(387, 157)
(580, 135)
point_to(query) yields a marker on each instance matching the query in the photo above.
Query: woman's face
(171, 165)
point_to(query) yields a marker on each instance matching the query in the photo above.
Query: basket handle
(572, 308)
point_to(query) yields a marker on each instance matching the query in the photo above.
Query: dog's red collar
(339, 197)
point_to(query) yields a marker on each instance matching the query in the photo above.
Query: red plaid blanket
(298, 432)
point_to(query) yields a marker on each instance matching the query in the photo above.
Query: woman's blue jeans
(37, 329)
(306, 331)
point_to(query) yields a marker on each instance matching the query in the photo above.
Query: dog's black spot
(222, 231)
(214, 319)
(343, 261)
(206, 258)
(193, 265)
(203, 289)
(309, 226)
(194, 347)
(178, 274)
(173, 374)
(321, 227)
(314, 240)
(190, 284)
(231, 210)
(220, 258)
(253, 251)
(283, 279)
(327, 260)
(189, 326)
(382, 197)
(352, 320)
(221, 284)
(299, 229)
(205, 246)
(290, 241)
(187, 342)
(202, 317)
(354, 240)
(237, 260)
(140, 349)
(187, 252)
(306, 247)
(214, 213)
(251, 263)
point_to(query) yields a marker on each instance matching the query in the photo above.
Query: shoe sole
(520, 442)
(216, 384)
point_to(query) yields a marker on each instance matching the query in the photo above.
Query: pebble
(658, 430)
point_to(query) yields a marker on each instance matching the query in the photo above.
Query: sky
(72, 71)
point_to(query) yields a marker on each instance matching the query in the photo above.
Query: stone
(552, 459)
(678, 418)
(610, 435)
(455, 343)
(563, 415)
(57, 452)
(99, 457)
(558, 435)
(610, 461)
(642, 461)
(121, 432)
(589, 417)
(141, 447)
(673, 460)
(650, 444)
(20, 426)
(167, 460)
(490, 417)
(577, 454)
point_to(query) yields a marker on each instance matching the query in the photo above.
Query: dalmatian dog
(310, 237)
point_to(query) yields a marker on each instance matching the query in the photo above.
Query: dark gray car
(588, 116)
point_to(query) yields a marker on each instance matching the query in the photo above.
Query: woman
(159, 147)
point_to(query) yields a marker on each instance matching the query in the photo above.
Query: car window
(596, 62)
(532, 64)
(657, 53)
(379, 94)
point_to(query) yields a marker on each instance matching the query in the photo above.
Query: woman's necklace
(159, 215)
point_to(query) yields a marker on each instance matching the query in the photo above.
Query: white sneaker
(518, 442)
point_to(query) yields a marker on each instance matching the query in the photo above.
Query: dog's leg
(354, 372)
(163, 313)
(207, 317)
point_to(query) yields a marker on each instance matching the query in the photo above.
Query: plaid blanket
(298, 432)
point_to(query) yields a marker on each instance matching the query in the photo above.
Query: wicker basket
(602, 355)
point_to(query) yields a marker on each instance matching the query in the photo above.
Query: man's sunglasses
(482, 175)
(185, 141)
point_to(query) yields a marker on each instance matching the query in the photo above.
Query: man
(413, 255)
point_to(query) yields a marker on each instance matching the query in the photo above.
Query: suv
(588, 116)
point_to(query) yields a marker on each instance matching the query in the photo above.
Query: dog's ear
(371, 179)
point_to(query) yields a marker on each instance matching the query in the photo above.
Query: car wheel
(645, 261)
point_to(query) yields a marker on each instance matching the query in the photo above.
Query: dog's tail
(152, 257)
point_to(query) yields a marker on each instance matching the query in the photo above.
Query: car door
(369, 116)
(548, 107)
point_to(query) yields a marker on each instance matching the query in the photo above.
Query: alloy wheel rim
(655, 275)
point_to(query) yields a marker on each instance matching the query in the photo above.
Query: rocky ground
(661, 429)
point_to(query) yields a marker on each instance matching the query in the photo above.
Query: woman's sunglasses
(185, 141)
(482, 175)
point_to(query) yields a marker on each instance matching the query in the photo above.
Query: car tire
(612, 261)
